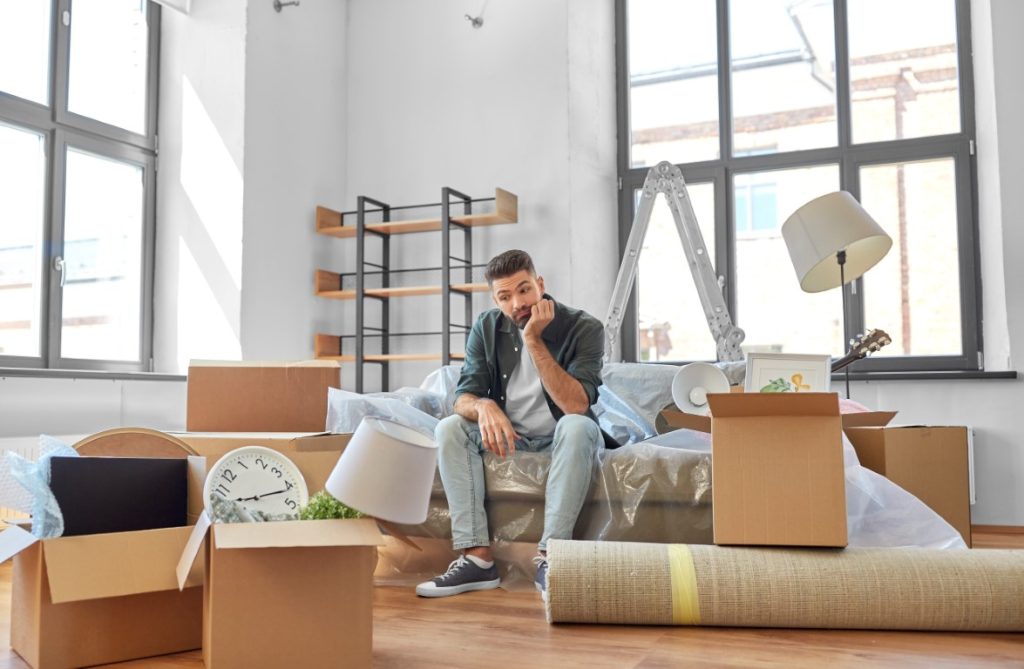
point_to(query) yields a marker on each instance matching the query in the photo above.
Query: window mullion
(844, 108)
(61, 56)
(55, 247)
(724, 83)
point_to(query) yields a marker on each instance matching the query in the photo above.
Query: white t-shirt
(524, 400)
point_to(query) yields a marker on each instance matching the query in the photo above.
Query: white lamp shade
(823, 227)
(386, 471)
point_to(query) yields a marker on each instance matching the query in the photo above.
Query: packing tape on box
(852, 588)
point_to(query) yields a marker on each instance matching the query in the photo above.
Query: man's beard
(521, 322)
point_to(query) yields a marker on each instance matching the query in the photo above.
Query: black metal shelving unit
(331, 285)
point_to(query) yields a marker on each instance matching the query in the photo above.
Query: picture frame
(787, 372)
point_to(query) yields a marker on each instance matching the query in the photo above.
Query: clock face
(258, 478)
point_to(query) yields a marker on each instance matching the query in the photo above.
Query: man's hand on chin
(541, 314)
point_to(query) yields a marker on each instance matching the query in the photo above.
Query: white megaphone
(693, 382)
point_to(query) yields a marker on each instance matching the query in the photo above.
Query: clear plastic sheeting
(651, 489)
(419, 408)
(345, 409)
(34, 479)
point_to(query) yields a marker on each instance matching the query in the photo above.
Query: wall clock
(258, 478)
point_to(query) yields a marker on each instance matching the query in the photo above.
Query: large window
(77, 180)
(766, 104)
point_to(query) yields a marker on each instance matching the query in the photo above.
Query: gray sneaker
(463, 575)
(541, 579)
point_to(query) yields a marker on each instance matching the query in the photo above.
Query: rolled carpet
(853, 588)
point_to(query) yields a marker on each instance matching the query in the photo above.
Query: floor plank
(504, 629)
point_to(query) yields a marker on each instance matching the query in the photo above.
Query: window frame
(848, 156)
(61, 130)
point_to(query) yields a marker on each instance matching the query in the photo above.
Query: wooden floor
(508, 629)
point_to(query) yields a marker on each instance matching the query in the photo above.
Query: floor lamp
(833, 241)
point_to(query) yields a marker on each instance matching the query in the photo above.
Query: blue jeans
(573, 447)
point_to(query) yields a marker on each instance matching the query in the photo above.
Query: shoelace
(454, 566)
(539, 559)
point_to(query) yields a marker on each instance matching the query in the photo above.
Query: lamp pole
(841, 259)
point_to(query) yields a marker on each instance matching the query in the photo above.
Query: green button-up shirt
(574, 338)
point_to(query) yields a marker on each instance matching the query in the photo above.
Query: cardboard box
(314, 454)
(284, 594)
(259, 396)
(931, 463)
(777, 469)
(103, 598)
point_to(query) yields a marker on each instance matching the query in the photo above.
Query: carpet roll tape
(852, 588)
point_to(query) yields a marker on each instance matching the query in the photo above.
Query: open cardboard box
(260, 396)
(290, 593)
(103, 598)
(777, 469)
(677, 419)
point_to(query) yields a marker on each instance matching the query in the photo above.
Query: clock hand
(256, 498)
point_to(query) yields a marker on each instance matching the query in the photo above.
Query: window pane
(672, 325)
(903, 70)
(775, 313)
(107, 75)
(22, 210)
(914, 293)
(783, 75)
(103, 227)
(673, 81)
(25, 49)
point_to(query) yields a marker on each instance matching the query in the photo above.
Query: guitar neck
(845, 361)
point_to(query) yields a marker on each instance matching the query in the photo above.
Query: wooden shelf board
(418, 225)
(402, 291)
(391, 357)
(337, 294)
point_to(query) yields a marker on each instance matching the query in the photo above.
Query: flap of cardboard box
(689, 421)
(283, 534)
(13, 540)
(737, 405)
(306, 533)
(679, 419)
(111, 565)
(867, 419)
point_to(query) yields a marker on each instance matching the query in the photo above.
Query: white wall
(526, 103)
(295, 151)
(200, 183)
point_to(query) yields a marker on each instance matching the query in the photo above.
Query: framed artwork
(787, 373)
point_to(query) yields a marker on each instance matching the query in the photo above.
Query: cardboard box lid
(291, 441)
(264, 363)
(739, 405)
(283, 534)
(112, 565)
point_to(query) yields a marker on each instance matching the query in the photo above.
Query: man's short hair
(507, 264)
